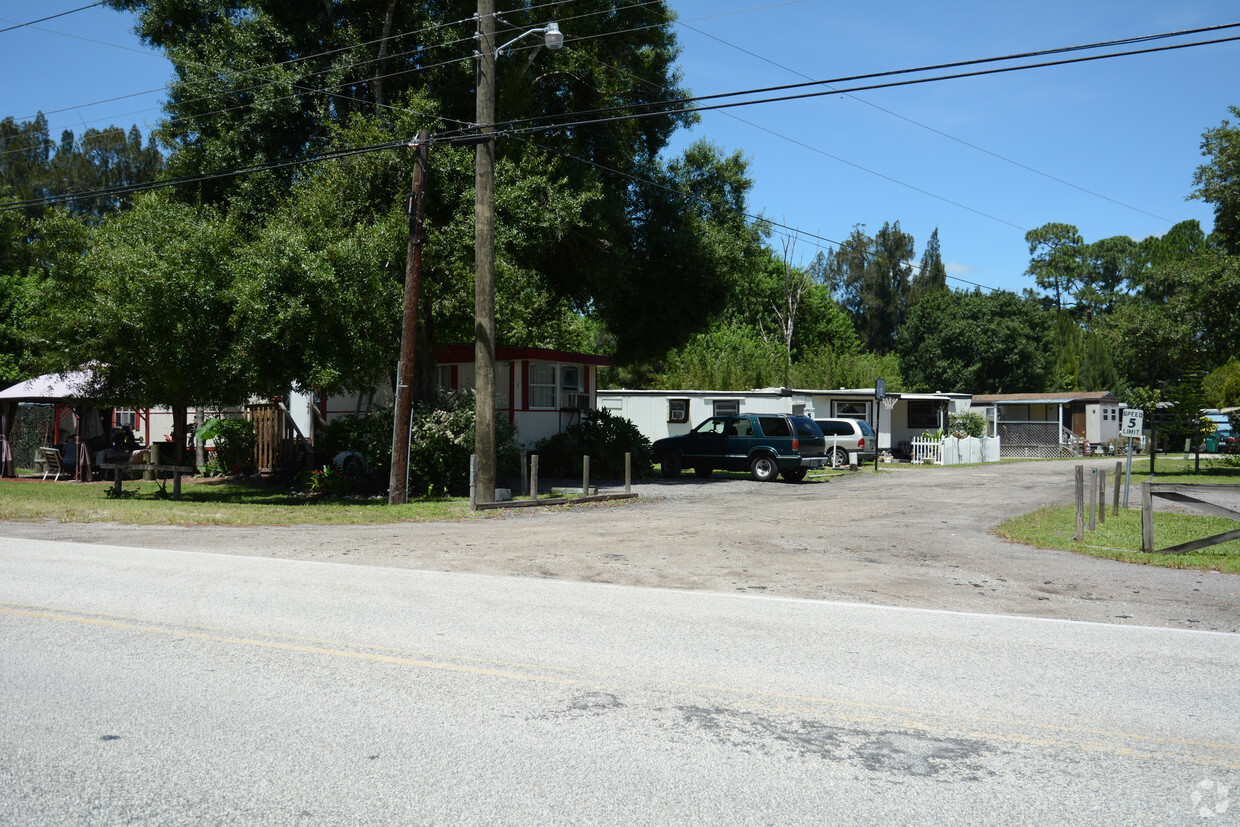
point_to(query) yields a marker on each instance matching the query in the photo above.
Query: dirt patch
(916, 537)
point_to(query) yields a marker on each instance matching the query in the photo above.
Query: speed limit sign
(1134, 419)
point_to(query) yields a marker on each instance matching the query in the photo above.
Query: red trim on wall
(512, 392)
(525, 385)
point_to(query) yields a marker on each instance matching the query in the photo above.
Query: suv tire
(764, 468)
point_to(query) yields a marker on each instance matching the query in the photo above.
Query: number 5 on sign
(1134, 420)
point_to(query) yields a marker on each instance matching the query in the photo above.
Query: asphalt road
(913, 537)
(165, 687)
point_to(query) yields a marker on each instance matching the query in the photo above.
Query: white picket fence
(953, 451)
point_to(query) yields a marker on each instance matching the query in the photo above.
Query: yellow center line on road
(859, 712)
(230, 632)
(376, 657)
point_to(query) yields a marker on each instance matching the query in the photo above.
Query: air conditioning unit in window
(576, 401)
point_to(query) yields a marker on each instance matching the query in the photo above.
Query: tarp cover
(50, 387)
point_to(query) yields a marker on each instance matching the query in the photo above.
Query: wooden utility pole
(398, 484)
(484, 258)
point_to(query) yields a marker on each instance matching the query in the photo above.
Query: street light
(484, 242)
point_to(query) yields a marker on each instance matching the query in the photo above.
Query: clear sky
(1109, 146)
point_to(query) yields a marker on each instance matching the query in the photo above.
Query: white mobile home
(659, 414)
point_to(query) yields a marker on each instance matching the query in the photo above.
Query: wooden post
(1093, 496)
(473, 482)
(1080, 503)
(1119, 476)
(1102, 497)
(152, 458)
(534, 477)
(525, 479)
(1147, 519)
(628, 473)
(585, 475)
(402, 415)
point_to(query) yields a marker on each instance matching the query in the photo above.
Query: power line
(52, 17)
(907, 71)
(919, 124)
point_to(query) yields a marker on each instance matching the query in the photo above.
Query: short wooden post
(534, 476)
(152, 455)
(1119, 478)
(1080, 503)
(473, 482)
(1102, 497)
(585, 475)
(525, 480)
(1147, 519)
(628, 473)
(1093, 496)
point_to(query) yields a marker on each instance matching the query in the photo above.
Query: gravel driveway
(910, 536)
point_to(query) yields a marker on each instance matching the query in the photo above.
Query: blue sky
(1109, 146)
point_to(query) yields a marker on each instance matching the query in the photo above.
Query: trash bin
(1212, 443)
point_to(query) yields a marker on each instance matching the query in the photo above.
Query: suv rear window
(805, 426)
(865, 427)
(774, 426)
(835, 428)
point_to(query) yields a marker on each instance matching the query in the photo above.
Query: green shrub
(370, 436)
(605, 438)
(966, 424)
(234, 443)
(443, 439)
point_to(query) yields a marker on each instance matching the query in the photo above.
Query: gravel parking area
(909, 536)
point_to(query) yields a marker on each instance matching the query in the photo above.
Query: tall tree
(1218, 182)
(874, 278)
(976, 343)
(33, 166)
(1056, 260)
(149, 308)
(931, 274)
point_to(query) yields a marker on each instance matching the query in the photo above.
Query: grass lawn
(206, 502)
(1120, 537)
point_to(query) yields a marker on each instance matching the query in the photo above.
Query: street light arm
(553, 38)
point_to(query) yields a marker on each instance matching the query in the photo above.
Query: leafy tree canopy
(976, 343)
(1218, 182)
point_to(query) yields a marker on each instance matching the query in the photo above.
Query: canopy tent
(70, 387)
(51, 387)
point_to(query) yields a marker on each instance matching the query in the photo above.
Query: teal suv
(765, 445)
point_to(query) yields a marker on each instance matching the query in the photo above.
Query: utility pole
(484, 258)
(398, 484)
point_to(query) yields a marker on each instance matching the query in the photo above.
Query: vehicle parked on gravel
(766, 445)
(847, 436)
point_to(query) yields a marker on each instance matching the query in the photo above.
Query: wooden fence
(1185, 494)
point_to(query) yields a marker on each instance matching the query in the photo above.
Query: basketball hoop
(889, 402)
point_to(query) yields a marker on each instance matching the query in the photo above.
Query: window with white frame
(542, 385)
(852, 410)
(122, 417)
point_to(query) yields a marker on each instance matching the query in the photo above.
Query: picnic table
(175, 470)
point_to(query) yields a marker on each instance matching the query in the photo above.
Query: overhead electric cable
(925, 126)
(915, 70)
(507, 127)
(52, 17)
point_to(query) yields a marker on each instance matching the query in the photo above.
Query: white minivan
(849, 441)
